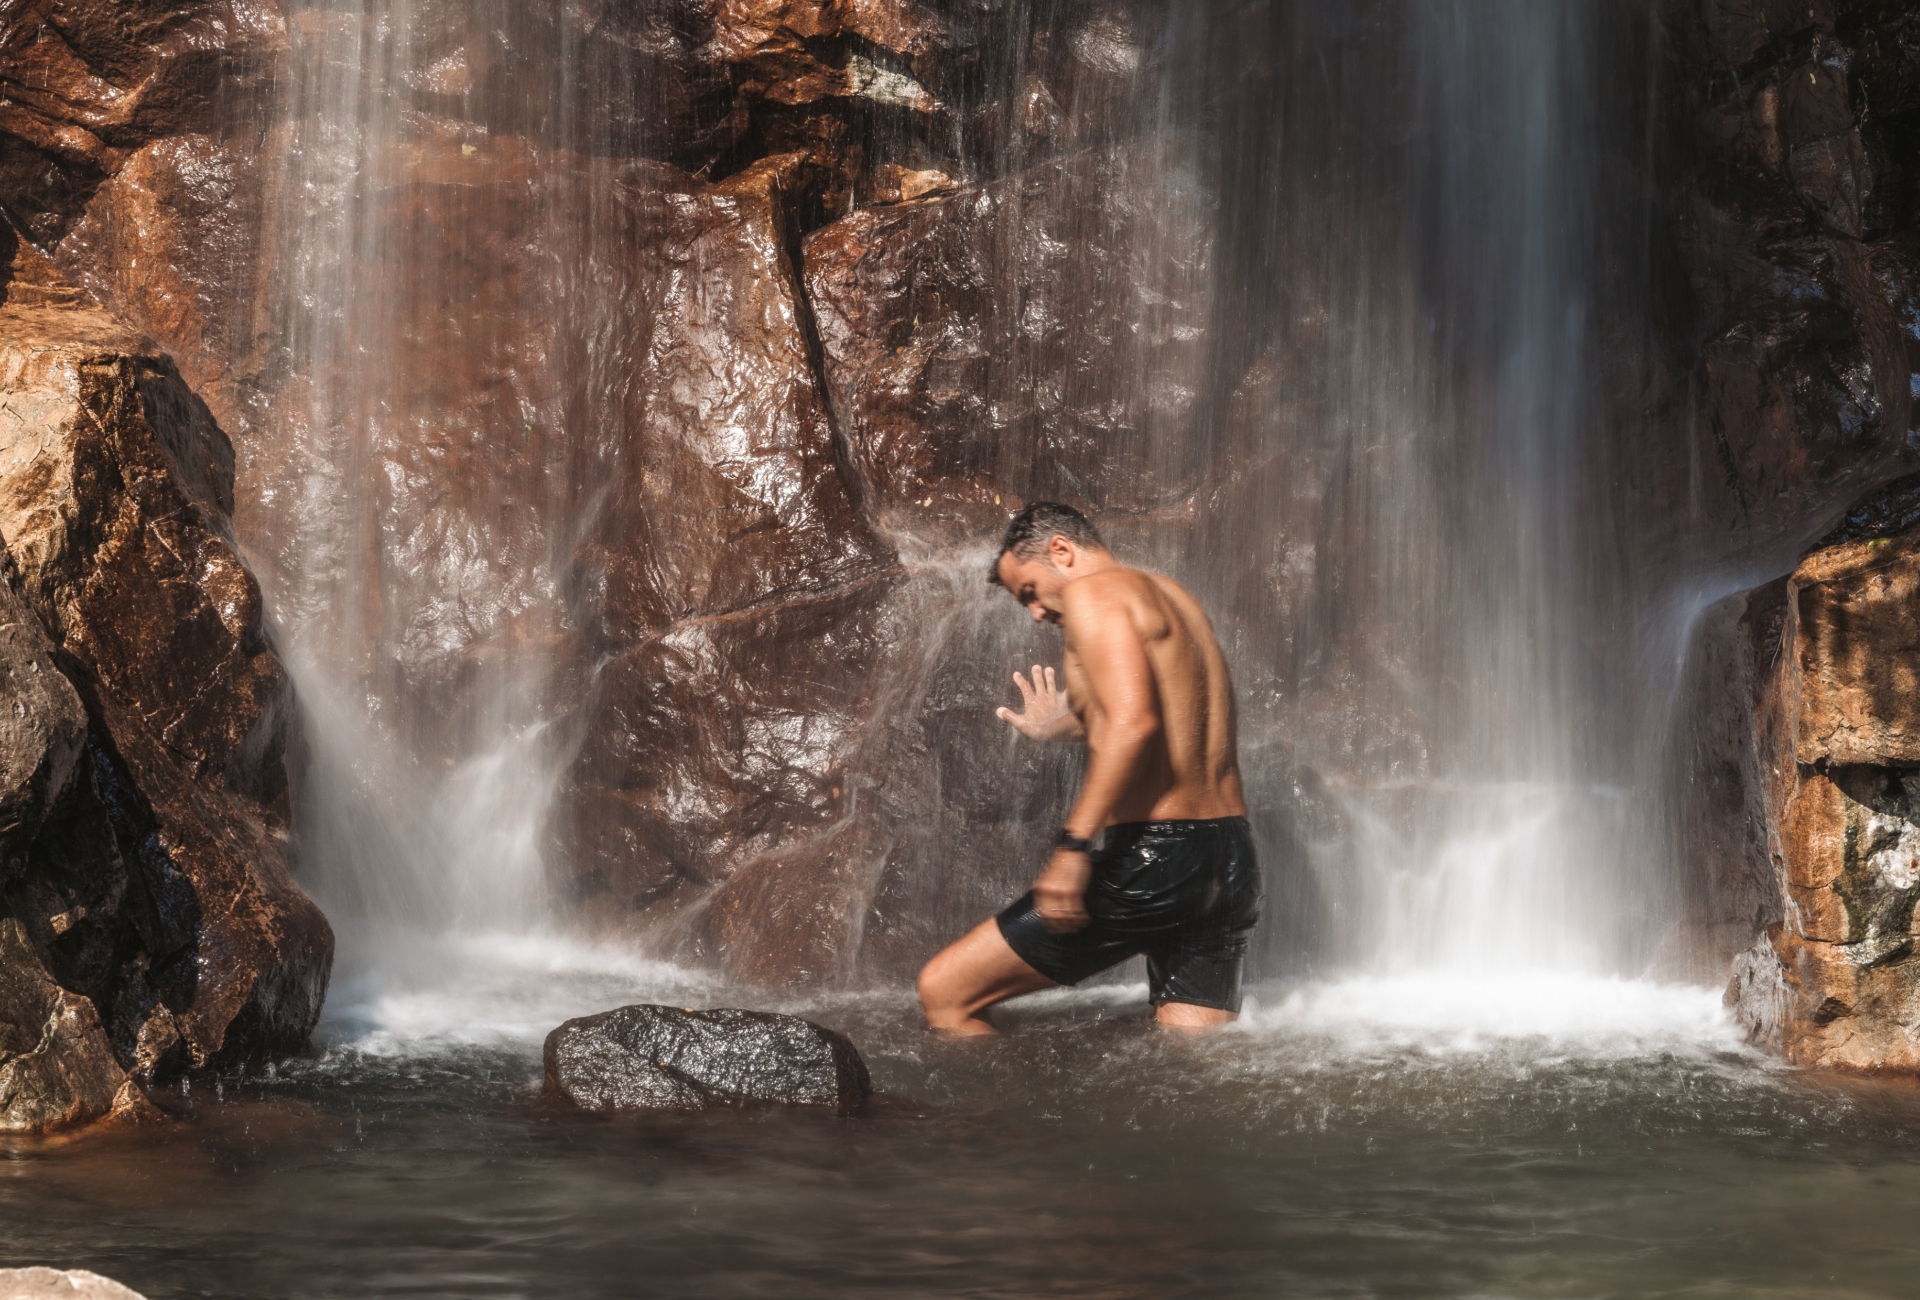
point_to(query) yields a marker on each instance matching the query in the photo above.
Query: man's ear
(1060, 551)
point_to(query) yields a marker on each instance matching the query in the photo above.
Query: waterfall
(413, 511)
(1400, 473)
(1445, 234)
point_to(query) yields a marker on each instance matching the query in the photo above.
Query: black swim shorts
(1187, 894)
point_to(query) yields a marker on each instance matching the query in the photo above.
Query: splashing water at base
(418, 993)
(1566, 1138)
(1541, 1014)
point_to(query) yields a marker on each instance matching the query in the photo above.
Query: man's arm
(1126, 718)
(1126, 705)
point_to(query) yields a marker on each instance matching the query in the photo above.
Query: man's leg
(1191, 1019)
(1192, 987)
(970, 975)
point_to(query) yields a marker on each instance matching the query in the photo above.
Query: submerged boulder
(60, 1284)
(665, 1058)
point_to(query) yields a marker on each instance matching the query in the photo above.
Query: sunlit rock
(664, 1058)
(1837, 741)
(172, 242)
(85, 84)
(157, 884)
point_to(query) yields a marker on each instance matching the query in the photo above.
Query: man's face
(1036, 581)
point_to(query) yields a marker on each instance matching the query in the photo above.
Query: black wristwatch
(1066, 839)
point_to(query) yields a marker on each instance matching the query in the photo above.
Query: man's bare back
(1190, 770)
(1173, 875)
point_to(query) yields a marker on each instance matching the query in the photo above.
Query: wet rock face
(1028, 339)
(690, 524)
(1803, 237)
(664, 1058)
(144, 862)
(134, 148)
(726, 524)
(1804, 244)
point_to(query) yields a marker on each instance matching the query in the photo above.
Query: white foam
(1544, 1013)
(424, 993)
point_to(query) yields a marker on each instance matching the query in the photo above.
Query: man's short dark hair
(1031, 530)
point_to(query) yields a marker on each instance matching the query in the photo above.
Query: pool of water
(1544, 1137)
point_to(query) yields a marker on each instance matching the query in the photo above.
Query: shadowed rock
(1799, 235)
(43, 728)
(664, 1058)
(56, 1070)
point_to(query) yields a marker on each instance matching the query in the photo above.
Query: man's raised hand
(1044, 714)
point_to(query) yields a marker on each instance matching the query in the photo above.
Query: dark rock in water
(664, 1058)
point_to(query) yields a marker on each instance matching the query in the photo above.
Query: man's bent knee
(970, 975)
(936, 986)
(1190, 1017)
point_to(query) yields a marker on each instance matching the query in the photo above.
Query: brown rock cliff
(145, 862)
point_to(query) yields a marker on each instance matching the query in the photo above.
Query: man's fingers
(1026, 691)
(1061, 910)
(1063, 922)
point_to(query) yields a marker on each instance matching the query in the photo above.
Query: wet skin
(1147, 688)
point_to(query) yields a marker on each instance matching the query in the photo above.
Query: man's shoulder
(1113, 598)
(1118, 584)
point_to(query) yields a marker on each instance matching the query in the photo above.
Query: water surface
(1420, 1137)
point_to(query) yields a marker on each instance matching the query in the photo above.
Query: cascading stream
(415, 515)
(1399, 463)
(643, 386)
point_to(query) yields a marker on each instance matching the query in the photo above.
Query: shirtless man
(1173, 873)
